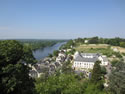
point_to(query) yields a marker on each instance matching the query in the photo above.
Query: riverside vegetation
(35, 44)
(15, 79)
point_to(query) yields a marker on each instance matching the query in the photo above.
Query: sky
(61, 19)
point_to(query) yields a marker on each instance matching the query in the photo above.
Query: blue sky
(61, 19)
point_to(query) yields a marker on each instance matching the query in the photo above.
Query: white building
(86, 41)
(87, 60)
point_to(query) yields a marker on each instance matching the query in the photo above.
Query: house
(84, 61)
(114, 49)
(86, 41)
(33, 74)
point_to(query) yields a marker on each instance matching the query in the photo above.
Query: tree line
(39, 44)
(96, 40)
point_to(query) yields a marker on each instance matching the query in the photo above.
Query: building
(87, 60)
(86, 41)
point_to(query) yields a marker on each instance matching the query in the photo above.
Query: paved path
(108, 68)
(124, 58)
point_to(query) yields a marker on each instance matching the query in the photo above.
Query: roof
(80, 57)
(33, 73)
(90, 54)
(42, 69)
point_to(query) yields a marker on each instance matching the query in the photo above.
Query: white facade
(86, 41)
(87, 60)
(104, 60)
(84, 65)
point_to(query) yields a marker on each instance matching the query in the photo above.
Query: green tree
(103, 70)
(61, 84)
(117, 79)
(55, 53)
(14, 75)
(93, 89)
(96, 73)
(114, 62)
(66, 68)
(94, 40)
(122, 44)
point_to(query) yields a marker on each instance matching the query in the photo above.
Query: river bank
(42, 53)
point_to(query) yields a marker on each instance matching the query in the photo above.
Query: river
(42, 53)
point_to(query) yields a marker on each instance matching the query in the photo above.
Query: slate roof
(57, 64)
(90, 54)
(81, 57)
(33, 73)
(42, 69)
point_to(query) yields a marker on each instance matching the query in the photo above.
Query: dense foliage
(37, 44)
(61, 84)
(68, 45)
(96, 73)
(14, 72)
(117, 79)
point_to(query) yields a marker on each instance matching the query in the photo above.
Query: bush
(114, 62)
(117, 54)
(55, 53)
(103, 70)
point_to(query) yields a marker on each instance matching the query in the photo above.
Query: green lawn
(106, 51)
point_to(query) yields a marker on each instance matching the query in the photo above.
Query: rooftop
(81, 57)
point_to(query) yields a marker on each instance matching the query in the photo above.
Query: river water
(42, 53)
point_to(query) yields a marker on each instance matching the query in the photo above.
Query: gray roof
(33, 73)
(90, 54)
(83, 59)
(57, 64)
(41, 69)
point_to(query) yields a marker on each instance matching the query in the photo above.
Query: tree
(122, 44)
(66, 68)
(103, 70)
(93, 89)
(50, 55)
(114, 62)
(117, 79)
(94, 40)
(62, 84)
(96, 73)
(55, 53)
(10, 52)
(14, 75)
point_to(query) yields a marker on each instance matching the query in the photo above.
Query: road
(108, 68)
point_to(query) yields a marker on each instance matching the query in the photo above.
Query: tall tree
(14, 75)
(117, 79)
(96, 73)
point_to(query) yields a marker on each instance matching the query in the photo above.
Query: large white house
(87, 60)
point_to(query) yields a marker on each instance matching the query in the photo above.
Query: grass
(121, 50)
(105, 51)
(98, 48)
(93, 48)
